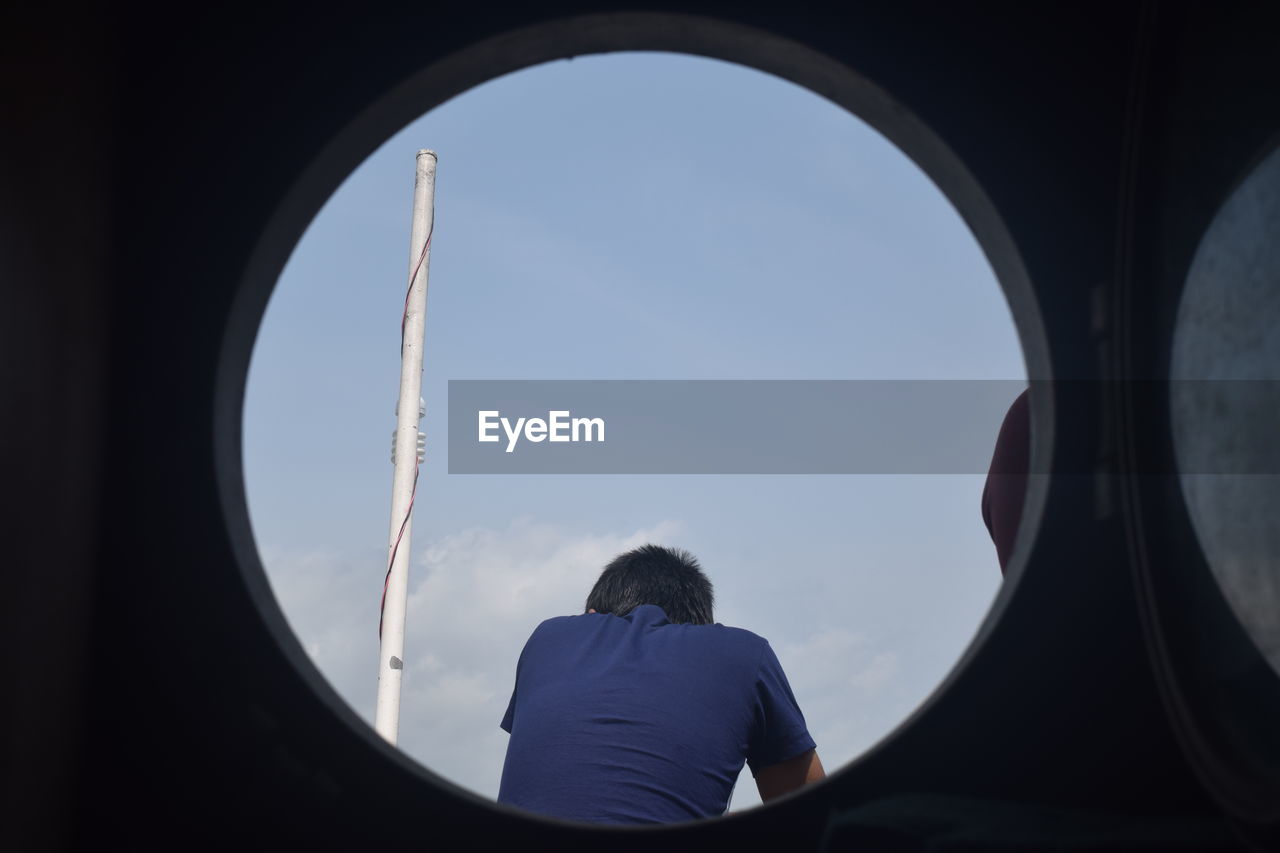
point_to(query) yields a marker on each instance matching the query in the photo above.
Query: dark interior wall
(155, 145)
(55, 259)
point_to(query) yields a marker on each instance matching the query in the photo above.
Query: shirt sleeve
(511, 708)
(509, 717)
(780, 731)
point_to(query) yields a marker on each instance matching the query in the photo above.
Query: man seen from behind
(642, 710)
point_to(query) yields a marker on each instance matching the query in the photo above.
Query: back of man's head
(667, 577)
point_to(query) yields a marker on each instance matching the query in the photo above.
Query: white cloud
(845, 684)
(330, 600)
(475, 597)
(838, 657)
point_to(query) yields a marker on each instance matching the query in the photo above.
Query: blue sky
(629, 216)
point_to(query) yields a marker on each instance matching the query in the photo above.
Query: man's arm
(790, 775)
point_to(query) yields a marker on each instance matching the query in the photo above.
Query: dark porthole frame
(453, 75)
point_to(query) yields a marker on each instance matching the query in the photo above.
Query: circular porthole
(575, 228)
(1224, 407)
(1218, 598)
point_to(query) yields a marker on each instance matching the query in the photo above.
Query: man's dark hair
(651, 574)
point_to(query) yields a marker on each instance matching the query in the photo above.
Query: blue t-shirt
(636, 720)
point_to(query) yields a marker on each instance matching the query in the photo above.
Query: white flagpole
(405, 453)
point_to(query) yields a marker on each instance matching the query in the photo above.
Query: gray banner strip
(724, 427)
(827, 426)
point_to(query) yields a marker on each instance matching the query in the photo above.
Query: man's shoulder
(563, 627)
(556, 620)
(738, 635)
(556, 623)
(748, 643)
